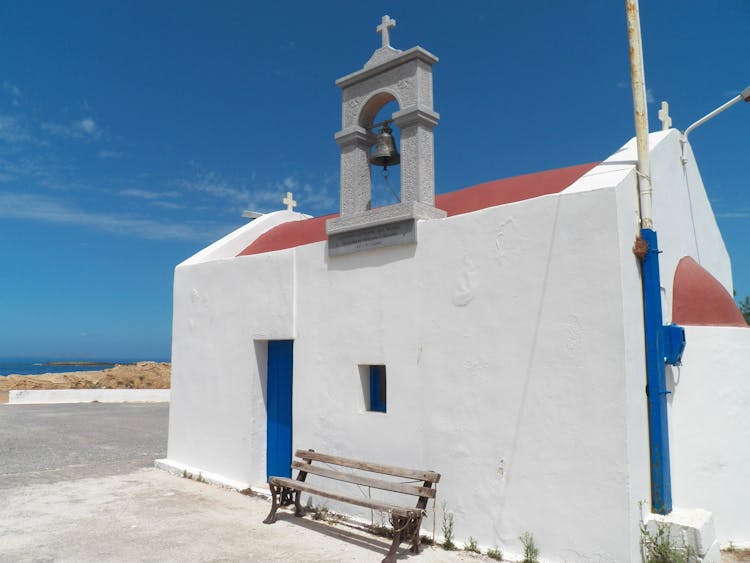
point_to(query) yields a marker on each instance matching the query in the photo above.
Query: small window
(377, 389)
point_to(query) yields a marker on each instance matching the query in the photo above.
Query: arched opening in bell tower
(386, 183)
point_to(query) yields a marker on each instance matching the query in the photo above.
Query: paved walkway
(76, 484)
(150, 515)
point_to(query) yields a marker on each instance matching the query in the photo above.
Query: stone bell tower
(389, 75)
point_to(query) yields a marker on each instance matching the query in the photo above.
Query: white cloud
(211, 184)
(267, 196)
(650, 98)
(15, 93)
(317, 199)
(109, 154)
(157, 199)
(42, 169)
(45, 209)
(87, 125)
(56, 129)
(148, 194)
(167, 204)
(81, 129)
(12, 130)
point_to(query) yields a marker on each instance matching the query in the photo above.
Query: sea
(38, 366)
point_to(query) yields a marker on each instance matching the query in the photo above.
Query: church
(494, 334)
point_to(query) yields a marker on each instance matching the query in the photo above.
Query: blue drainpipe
(663, 344)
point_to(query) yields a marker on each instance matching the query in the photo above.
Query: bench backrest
(423, 490)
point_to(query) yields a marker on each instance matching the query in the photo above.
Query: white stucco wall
(507, 367)
(217, 416)
(506, 372)
(709, 420)
(513, 342)
(683, 217)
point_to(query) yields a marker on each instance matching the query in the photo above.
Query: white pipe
(744, 95)
(638, 81)
(708, 116)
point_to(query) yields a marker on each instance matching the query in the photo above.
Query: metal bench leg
(275, 493)
(297, 506)
(416, 539)
(398, 525)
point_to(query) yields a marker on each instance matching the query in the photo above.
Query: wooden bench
(406, 520)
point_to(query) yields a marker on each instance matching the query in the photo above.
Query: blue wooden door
(279, 408)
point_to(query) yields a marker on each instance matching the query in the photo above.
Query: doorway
(279, 408)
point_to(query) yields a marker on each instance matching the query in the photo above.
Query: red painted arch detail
(699, 299)
(474, 198)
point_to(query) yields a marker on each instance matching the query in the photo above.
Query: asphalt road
(51, 443)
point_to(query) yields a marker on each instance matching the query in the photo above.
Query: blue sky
(134, 133)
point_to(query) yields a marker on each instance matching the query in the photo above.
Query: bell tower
(406, 78)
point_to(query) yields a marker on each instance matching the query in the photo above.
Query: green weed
(448, 543)
(471, 545)
(658, 548)
(530, 550)
(495, 553)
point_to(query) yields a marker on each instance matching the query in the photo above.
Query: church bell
(384, 151)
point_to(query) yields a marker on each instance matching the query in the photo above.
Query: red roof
(699, 299)
(481, 196)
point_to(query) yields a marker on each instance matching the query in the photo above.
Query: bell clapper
(387, 183)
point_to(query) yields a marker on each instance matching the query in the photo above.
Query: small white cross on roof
(384, 27)
(289, 202)
(666, 121)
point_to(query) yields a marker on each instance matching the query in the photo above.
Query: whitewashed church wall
(217, 421)
(639, 477)
(503, 333)
(235, 242)
(709, 424)
(683, 217)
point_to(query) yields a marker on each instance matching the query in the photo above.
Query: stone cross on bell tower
(385, 24)
(406, 78)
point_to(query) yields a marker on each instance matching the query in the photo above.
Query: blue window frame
(377, 389)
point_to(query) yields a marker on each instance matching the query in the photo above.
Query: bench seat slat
(363, 502)
(430, 476)
(404, 488)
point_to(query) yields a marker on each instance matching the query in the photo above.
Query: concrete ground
(76, 484)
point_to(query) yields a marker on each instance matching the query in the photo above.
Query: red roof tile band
(474, 198)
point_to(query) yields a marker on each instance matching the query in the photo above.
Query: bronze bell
(384, 152)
